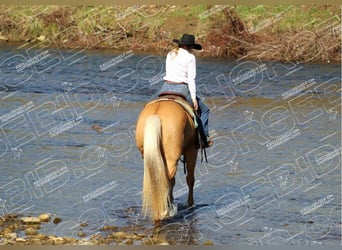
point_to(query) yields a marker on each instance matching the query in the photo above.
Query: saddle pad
(180, 101)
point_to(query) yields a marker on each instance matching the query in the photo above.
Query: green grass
(21, 23)
(293, 17)
(196, 10)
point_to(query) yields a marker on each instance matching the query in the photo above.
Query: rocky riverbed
(20, 230)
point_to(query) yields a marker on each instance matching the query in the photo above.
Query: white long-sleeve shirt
(181, 67)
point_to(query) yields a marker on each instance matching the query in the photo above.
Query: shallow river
(273, 175)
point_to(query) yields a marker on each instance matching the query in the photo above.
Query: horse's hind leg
(190, 158)
(172, 184)
(172, 170)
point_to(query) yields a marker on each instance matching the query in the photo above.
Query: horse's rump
(175, 122)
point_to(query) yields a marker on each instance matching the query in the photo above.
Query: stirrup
(204, 143)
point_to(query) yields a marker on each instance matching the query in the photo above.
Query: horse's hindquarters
(177, 126)
(161, 151)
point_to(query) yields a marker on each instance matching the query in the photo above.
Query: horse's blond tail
(156, 183)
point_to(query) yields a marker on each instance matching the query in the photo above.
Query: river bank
(302, 33)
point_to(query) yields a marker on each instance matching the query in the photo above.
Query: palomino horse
(164, 132)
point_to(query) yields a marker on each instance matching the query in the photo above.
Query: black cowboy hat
(188, 40)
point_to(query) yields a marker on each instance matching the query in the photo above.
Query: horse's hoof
(192, 205)
(170, 212)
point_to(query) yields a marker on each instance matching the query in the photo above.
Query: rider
(180, 78)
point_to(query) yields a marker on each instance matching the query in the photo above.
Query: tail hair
(156, 182)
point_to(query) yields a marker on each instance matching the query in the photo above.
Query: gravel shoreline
(25, 230)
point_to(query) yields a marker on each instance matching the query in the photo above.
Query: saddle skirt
(187, 107)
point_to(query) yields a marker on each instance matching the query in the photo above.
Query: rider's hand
(195, 104)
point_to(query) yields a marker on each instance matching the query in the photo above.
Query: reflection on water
(67, 147)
